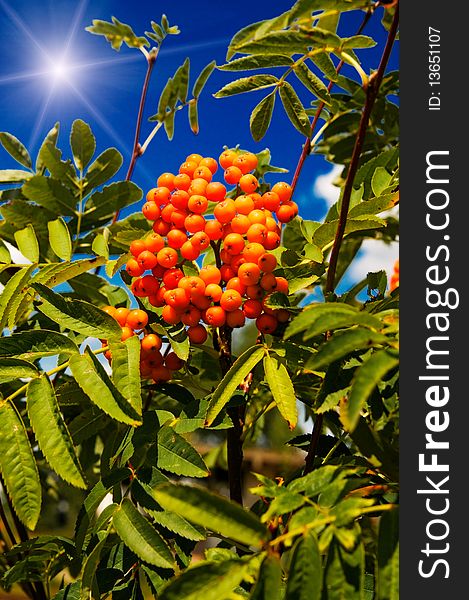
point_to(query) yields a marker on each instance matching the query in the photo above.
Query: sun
(58, 71)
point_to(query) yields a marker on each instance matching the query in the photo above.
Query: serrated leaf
(365, 379)
(138, 535)
(77, 315)
(52, 432)
(326, 232)
(178, 524)
(103, 168)
(261, 117)
(50, 158)
(15, 149)
(177, 456)
(14, 175)
(203, 78)
(12, 369)
(126, 370)
(51, 138)
(88, 583)
(343, 343)
(294, 109)
(344, 573)
(387, 581)
(116, 33)
(324, 63)
(269, 582)
(27, 243)
(358, 41)
(57, 273)
(305, 575)
(239, 370)
(193, 116)
(83, 143)
(213, 512)
(94, 381)
(18, 467)
(312, 83)
(50, 193)
(212, 581)
(103, 204)
(290, 42)
(246, 63)
(59, 238)
(281, 387)
(12, 292)
(247, 84)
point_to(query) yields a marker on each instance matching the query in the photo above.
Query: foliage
(326, 531)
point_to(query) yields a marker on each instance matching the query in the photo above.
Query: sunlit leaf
(83, 143)
(27, 243)
(59, 238)
(261, 117)
(15, 149)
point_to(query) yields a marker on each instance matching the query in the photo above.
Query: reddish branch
(371, 94)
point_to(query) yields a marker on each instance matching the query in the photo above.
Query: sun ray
(40, 118)
(21, 25)
(25, 76)
(74, 25)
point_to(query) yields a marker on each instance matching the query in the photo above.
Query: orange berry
(283, 191)
(172, 277)
(251, 159)
(203, 173)
(253, 251)
(266, 323)
(188, 167)
(252, 308)
(271, 225)
(200, 240)
(191, 316)
(249, 273)
(196, 158)
(257, 199)
(215, 191)
(161, 195)
(235, 318)
(272, 240)
(189, 251)
(233, 243)
(161, 227)
(149, 285)
(153, 242)
(215, 316)
(180, 199)
(257, 216)
(137, 319)
(257, 233)
(267, 262)
(244, 204)
(110, 310)
(243, 163)
(178, 298)
(268, 282)
(201, 302)
(282, 285)
(231, 300)
(137, 288)
(226, 272)
(226, 158)
(232, 175)
(225, 211)
(194, 285)
(166, 180)
(145, 368)
(271, 201)
(240, 224)
(167, 212)
(121, 315)
(197, 334)
(209, 162)
(147, 260)
(213, 292)
(176, 238)
(286, 212)
(237, 262)
(182, 182)
(214, 229)
(126, 333)
(197, 204)
(254, 292)
(173, 362)
(194, 223)
(235, 284)
(158, 299)
(151, 343)
(210, 274)
(161, 373)
(248, 183)
(171, 315)
(167, 257)
(133, 268)
(178, 218)
(197, 186)
(136, 247)
(151, 211)
(158, 271)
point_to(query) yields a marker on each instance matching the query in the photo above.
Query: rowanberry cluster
(190, 212)
(153, 364)
(394, 282)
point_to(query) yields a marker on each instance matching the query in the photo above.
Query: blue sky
(103, 86)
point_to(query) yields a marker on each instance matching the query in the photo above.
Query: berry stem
(372, 90)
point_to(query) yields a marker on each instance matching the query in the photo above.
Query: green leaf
(116, 33)
(364, 381)
(312, 83)
(15, 149)
(27, 243)
(57, 273)
(325, 234)
(138, 535)
(193, 116)
(213, 512)
(14, 368)
(343, 343)
(103, 168)
(5, 257)
(324, 63)
(294, 109)
(345, 573)
(126, 370)
(280, 384)
(177, 456)
(100, 245)
(88, 583)
(94, 381)
(212, 581)
(52, 432)
(14, 175)
(236, 375)
(305, 575)
(12, 292)
(50, 193)
(246, 63)
(83, 143)
(269, 582)
(203, 78)
(178, 524)
(181, 80)
(51, 158)
(51, 138)
(59, 238)
(77, 315)
(387, 587)
(247, 84)
(261, 117)
(18, 467)
(358, 41)
(290, 42)
(103, 204)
